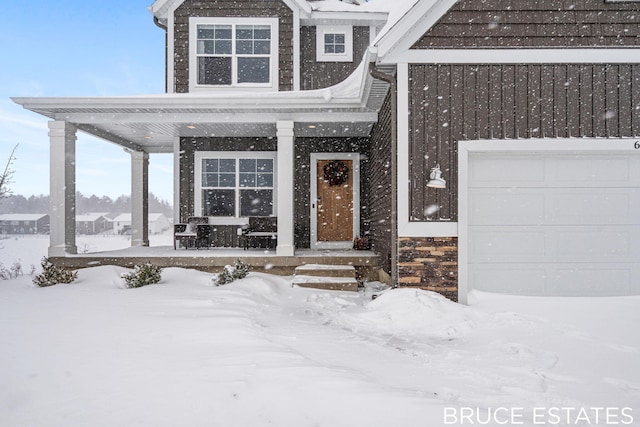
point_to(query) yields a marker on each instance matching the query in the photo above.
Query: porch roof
(151, 123)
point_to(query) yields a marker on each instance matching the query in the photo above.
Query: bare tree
(7, 175)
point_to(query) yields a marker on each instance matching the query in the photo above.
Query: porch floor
(214, 259)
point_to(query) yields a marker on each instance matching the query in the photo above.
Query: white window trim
(347, 56)
(197, 179)
(193, 61)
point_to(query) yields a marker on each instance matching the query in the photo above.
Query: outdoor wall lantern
(435, 178)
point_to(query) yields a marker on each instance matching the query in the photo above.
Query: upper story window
(233, 52)
(334, 43)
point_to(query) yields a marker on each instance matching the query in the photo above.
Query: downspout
(166, 42)
(377, 74)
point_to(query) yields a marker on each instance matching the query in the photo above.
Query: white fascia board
(618, 55)
(354, 18)
(412, 26)
(230, 117)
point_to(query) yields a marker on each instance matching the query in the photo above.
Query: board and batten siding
(535, 23)
(319, 75)
(449, 103)
(303, 149)
(188, 148)
(378, 185)
(232, 8)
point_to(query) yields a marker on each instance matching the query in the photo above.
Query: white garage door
(554, 223)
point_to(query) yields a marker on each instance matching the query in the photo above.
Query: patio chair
(260, 229)
(194, 234)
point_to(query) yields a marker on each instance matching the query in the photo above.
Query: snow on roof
(90, 217)
(21, 217)
(344, 6)
(127, 217)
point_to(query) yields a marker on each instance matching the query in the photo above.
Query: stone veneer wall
(429, 263)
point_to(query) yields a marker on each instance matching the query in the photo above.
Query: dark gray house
(490, 145)
(24, 223)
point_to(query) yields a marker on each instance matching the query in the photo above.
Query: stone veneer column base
(429, 263)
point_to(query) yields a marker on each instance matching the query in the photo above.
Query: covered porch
(143, 125)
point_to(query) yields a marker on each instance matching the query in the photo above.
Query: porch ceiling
(153, 123)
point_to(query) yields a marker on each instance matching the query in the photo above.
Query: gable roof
(160, 8)
(408, 23)
(21, 217)
(90, 217)
(126, 217)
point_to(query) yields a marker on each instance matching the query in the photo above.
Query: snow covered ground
(259, 352)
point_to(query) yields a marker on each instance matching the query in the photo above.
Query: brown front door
(335, 206)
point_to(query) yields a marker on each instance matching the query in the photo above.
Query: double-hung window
(233, 52)
(235, 185)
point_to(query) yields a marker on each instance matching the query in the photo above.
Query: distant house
(24, 223)
(92, 223)
(158, 223)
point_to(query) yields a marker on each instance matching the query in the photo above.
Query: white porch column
(286, 165)
(139, 198)
(62, 181)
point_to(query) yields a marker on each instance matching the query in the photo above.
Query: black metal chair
(194, 234)
(260, 229)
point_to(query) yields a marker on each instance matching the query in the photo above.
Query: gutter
(377, 74)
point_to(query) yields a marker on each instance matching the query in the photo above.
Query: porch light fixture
(435, 178)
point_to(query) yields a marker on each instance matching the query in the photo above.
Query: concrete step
(326, 270)
(326, 283)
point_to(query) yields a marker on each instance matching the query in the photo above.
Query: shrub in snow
(142, 275)
(53, 274)
(8, 273)
(230, 273)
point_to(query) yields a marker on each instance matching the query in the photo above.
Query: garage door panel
(582, 280)
(526, 280)
(595, 245)
(506, 207)
(489, 244)
(568, 170)
(489, 171)
(581, 171)
(554, 206)
(512, 245)
(593, 206)
(559, 279)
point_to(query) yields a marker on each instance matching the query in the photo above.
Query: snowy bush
(142, 275)
(52, 274)
(12, 272)
(230, 273)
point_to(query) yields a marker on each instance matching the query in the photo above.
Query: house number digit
(637, 145)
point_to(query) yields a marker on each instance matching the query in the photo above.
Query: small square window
(334, 43)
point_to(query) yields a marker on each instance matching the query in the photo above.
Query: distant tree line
(84, 204)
